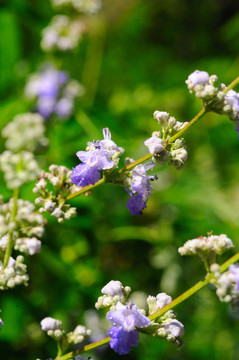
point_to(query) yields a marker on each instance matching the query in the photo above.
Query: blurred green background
(135, 60)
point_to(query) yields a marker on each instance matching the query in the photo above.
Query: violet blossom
(140, 188)
(54, 91)
(125, 320)
(100, 155)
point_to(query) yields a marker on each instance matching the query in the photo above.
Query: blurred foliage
(134, 61)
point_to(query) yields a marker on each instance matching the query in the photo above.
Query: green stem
(148, 156)
(198, 286)
(10, 234)
(89, 347)
(232, 85)
(86, 189)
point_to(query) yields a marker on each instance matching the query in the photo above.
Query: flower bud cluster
(18, 168)
(14, 273)
(202, 85)
(214, 98)
(62, 34)
(176, 153)
(54, 201)
(166, 326)
(83, 6)
(216, 244)
(25, 132)
(53, 328)
(78, 335)
(113, 292)
(54, 91)
(227, 284)
(27, 227)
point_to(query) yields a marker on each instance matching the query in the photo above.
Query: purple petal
(122, 341)
(84, 175)
(136, 204)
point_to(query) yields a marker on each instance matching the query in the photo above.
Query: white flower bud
(49, 323)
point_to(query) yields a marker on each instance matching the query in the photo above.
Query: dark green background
(135, 60)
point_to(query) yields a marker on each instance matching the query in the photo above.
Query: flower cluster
(53, 328)
(128, 319)
(54, 91)
(84, 6)
(202, 85)
(13, 274)
(167, 326)
(227, 284)
(27, 227)
(176, 153)
(215, 98)
(25, 132)
(54, 201)
(62, 34)
(18, 168)
(216, 244)
(207, 247)
(99, 155)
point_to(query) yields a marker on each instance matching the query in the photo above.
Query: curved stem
(10, 234)
(198, 286)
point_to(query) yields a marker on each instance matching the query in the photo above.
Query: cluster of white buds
(18, 168)
(227, 284)
(203, 85)
(175, 153)
(15, 273)
(158, 302)
(29, 246)
(166, 326)
(53, 202)
(62, 34)
(216, 244)
(214, 98)
(169, 124)
(84, 6)
(25, 132)
(27, 227)
(78, 335)
(113, 292)
(53, 328)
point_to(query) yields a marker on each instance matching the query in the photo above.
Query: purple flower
(199, 78)
(64, 107)
(54, 92)
(121, 341)
(100, 156)
(140, 188)
(125, 319)
(45, 106)
(234, 269)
